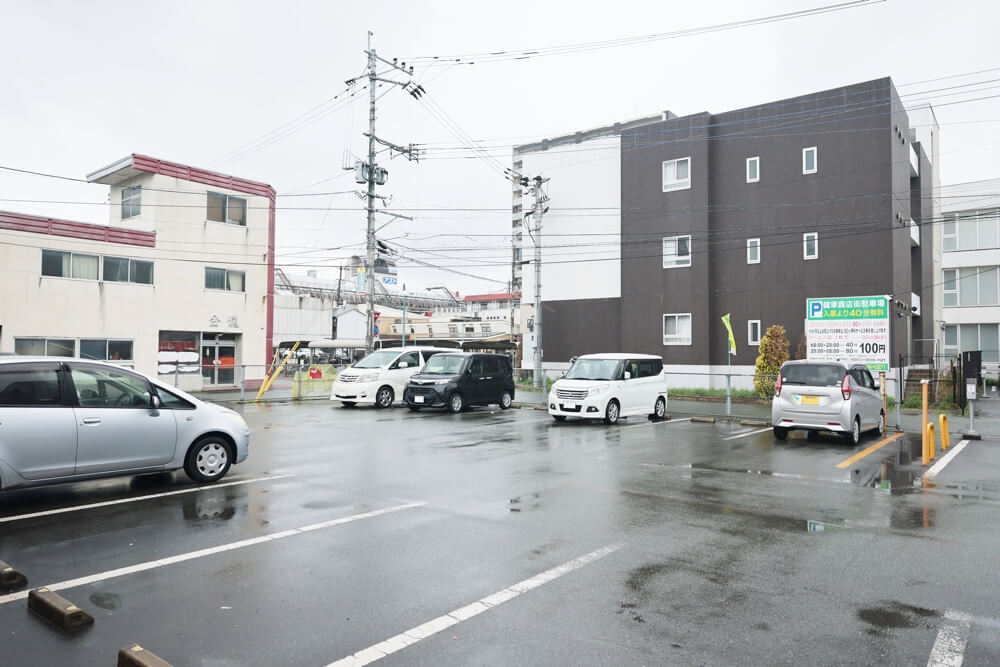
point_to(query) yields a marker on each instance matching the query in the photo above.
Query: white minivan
(380, 377)
(610, 386)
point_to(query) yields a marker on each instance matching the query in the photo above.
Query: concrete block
(703, 420)
(137, 656)
(10, 579)
(58, 610)
(753, 422)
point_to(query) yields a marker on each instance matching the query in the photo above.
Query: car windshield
(444, 364)
(377, 359)
(816, 375)
(594, 369)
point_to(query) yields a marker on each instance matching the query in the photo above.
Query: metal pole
(729, 370)
(402, 342)
(243, 382)
(539, 204)
(370, 256)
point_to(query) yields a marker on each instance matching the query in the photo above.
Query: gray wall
(583, 326)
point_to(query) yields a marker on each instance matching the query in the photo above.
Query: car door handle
(92, 420)
(489, 377)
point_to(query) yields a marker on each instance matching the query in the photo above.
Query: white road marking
(949, 647)
(969, 618)
(77, 508)
(945, 460)
(191, 555)
(743, 435)
(425, 630)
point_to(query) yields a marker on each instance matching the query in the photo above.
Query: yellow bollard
(945, 436)
(923, 416)
(928, 450)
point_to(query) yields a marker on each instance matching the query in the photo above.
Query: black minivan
(457, 380)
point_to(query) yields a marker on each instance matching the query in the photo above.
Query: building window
(677, 174)
(178, 353)
(810, 245)
(486, 328)
(51, 347)
(753, 332)
(753, 251)
(971, 230)
(106, 350)
(809, 159)
(964, 337)
(131, 201)
(677, 329)
(125, 270)
(453, 328)
(69, 265)
(224, 279)
(226, 208)
(950, 287)
(971, 286)
(676, 251)
(753, 169)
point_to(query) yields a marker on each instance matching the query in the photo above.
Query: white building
(180, 282)
(970, 278)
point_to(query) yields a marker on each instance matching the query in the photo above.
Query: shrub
(773, 352)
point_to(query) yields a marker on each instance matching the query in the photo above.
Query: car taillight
(777, 386)
(845, 388)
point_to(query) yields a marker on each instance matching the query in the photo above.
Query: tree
(773, 352)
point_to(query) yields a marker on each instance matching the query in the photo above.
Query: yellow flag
(729, 328)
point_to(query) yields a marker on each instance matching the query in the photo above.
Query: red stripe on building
(203, 176)
(20, 222)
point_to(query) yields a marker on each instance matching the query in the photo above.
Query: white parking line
(969, 618)
(191, 555)
(945, 460)
(425, 630)
(77, 508)
(743, 435)
(949, 647)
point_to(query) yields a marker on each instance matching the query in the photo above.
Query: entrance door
(218, 359)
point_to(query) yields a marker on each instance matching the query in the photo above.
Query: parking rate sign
(849, 329)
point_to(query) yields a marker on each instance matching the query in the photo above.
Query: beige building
(178, 284)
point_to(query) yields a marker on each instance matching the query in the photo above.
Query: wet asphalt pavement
(501, 538)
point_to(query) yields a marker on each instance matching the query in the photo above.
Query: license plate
(569, 406)
(810, 400)
(418, 399)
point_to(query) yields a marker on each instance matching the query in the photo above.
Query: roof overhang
(115, 173)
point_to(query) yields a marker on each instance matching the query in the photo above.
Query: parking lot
(502, 537)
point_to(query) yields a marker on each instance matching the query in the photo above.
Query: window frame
(750, 339)
(952, 220)
(131, 201)
(755, 244)
(755, 161)
(675, 183)
(815, 154)
(36, 366)
(226, 197)
(675, 240)
(675, 338)
(225, 280)
(945, 291)
(805, 245)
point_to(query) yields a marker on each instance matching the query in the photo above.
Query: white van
(381, 377)
(610, 386)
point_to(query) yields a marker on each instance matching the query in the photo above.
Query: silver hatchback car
(826, 396)
(65, 420)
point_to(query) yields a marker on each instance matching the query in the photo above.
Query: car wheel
(456, 403)
(659, 409)
(881, 424)
(347, 404)
(208, 459)
(559, 418)
(780, 433)
(612, 412)
(384, 397)
(853, 436)
(505, 400)
(414, 408)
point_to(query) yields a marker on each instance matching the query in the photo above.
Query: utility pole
(402, 341)
(340, 280)
(540, 199)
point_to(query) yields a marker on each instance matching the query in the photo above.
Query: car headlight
(594, 391)
(368, 377)
(444, 381)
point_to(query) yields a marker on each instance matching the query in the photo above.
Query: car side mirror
(404, 364)
(155, 402)
(878, 387)
(628, 375)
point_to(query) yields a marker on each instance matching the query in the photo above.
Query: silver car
(826, 396)
(65, 420)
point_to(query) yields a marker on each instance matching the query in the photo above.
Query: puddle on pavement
(895, 471)
(891, 615)
(106, 600)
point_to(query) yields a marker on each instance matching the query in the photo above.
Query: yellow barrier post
(269, 380)
(945, 435)
(928, 452)
(923, 418)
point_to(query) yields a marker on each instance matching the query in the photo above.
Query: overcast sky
(87, 83)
